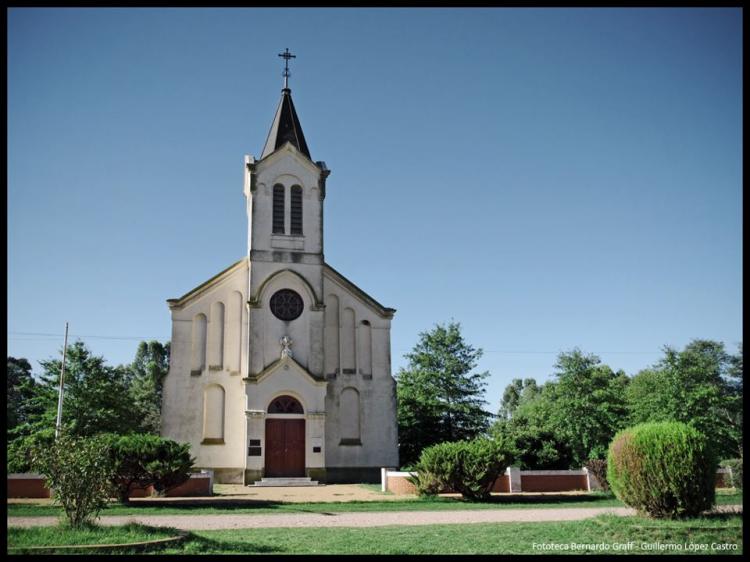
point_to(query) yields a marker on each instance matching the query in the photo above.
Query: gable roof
(203, 287)
(285, 128)
(383, 311)
(276, 365)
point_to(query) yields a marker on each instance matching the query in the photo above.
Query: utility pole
(60, 393)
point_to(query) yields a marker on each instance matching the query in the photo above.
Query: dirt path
(351, 519)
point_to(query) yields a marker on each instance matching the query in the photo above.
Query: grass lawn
(595, 499)
(64, 535)
(604, 534)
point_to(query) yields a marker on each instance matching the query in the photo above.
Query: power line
(505, 351)
(47, 336)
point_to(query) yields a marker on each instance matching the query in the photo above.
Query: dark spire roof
(285, 128)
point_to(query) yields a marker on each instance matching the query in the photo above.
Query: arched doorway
(285, 438)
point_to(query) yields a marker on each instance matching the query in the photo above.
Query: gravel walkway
(351, 519)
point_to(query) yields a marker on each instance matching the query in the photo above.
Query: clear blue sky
(549, 178)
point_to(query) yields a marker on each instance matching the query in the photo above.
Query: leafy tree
(535, 442)
(23, 444)
(589, 405)
(731, 405)
(94, 397)
(570, 419)
(21, 389)
(700, 385)
(98, 398)
(149, 368)
(79, 471)
(645, 397)
(515, 393)
(439, 399)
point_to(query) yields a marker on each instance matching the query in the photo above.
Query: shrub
(21, 448)
(148, 460)
(426, 482)
(467, 467)
(598, 467)
(735, 465)
(665, 469)
(79, 471)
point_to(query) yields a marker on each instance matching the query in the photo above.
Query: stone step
(286, 482)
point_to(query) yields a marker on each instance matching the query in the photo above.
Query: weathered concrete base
(352, 474)
(229, 475)
(252, 476)
(316, 473)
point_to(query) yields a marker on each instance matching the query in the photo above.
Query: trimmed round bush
(142, 460)
(665, 470)
(467, 467)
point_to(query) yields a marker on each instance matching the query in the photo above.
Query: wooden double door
(285, 448)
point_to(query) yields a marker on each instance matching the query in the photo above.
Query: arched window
(234, 332)
(332, 335)
(365, 348)
(285, 405)
(278, 209)
(350, 417)
(296, 211)
(213, 415)
(347, 343)
(216, 346)
(198, 356)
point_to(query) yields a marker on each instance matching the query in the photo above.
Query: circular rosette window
(286, 305)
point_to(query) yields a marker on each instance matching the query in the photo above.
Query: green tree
(79, 471)
(703, 383)
(731, 405)
(537, 444)
(94, 397)
(149, 368)
(700, 385)
(645, 397)
(439, 399)
(21, 390)
(517, 392)
(589, 404)
(570, 419)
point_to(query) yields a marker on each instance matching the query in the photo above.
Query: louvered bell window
(296, 210)
(278, 209)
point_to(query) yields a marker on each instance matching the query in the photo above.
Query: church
(280, 366)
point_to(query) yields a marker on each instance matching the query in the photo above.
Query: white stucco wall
(183, 396)
(378, 431)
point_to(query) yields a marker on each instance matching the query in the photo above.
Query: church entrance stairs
(283, 482)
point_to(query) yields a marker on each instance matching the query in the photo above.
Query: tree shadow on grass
(551, 498)
(195, 544)
(191, 504)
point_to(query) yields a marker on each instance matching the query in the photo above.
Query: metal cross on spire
(286, 55)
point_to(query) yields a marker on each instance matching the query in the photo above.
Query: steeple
(285, 126)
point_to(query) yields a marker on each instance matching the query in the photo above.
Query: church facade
(280, 366)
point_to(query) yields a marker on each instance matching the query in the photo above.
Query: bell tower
(285, 190)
